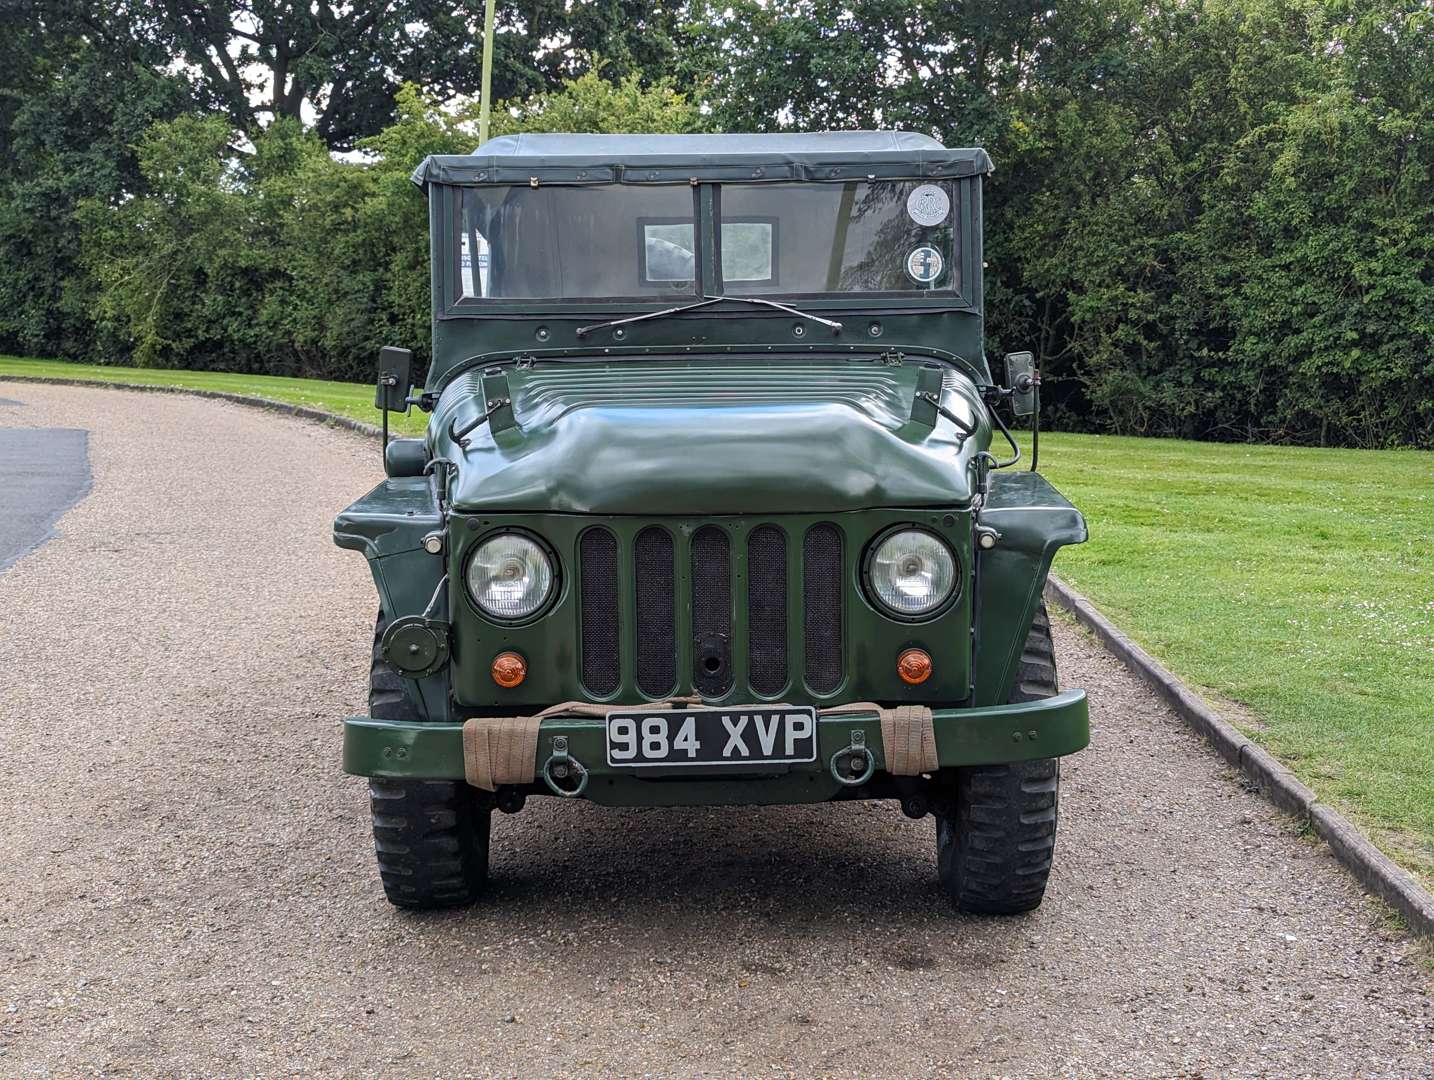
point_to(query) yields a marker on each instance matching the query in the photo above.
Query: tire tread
(994, 851)
(430, 836)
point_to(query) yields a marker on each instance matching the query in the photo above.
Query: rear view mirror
(395, 379)
(1021, 377)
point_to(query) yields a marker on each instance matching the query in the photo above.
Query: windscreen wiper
(781, 307)
(707, 301)
(584, 330)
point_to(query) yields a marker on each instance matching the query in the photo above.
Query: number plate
(764, 735)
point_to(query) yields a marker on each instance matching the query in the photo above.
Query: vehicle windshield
(821, 239)
(624, 242)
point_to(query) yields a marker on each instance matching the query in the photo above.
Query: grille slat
(767, 609)
(597, 567)
(821, 607)
(711, 612)
(656, 612)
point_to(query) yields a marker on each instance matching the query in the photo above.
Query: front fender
(1034, 520)
(388, 525)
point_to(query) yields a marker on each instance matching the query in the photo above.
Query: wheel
(995, 842)
(431, 836)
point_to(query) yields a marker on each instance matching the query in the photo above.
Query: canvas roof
(638, 159)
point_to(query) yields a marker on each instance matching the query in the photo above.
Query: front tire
(430, 836)
(995, 842)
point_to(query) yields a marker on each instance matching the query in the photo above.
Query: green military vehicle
(712, 507)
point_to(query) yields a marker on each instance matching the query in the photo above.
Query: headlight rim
(554, 590)
(873, 598)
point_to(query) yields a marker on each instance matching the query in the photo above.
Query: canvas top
(638, 159)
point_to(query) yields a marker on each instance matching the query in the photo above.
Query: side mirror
(395, 379)
(1022, 377)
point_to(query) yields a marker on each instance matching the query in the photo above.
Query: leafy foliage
(287, 261)
(339, 66)
(1211, 219)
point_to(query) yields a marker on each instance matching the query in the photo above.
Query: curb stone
(1370, 866)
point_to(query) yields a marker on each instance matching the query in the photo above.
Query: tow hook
(853, 765)
(563, 773)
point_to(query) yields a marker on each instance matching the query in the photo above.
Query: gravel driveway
(187, 883)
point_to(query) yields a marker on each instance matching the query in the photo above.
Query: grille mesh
(767, 608)
(711, 611)
(821, 607)
(597, 556)
(656, 612)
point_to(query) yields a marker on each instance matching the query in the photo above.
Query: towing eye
(561, 767)
(853, 775)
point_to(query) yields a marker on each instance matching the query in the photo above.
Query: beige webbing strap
(504, 749)
(500, 750)
(908, 738)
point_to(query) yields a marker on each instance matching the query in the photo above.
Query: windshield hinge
(522, 363)
(892, 357)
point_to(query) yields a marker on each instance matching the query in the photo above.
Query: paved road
(187, 888)
(43, 472)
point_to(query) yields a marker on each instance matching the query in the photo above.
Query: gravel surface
(187, 883)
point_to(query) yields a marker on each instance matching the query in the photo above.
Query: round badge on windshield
(925, 264)
(928, 205)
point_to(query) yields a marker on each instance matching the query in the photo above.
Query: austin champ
(718, 503)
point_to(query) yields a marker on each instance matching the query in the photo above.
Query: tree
(288, 261)
(336, 66)
(68, 124)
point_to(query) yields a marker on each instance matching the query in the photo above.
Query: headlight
(510, 576)
(911, 573)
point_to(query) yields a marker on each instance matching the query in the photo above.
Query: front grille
(597, 567)
(711, 612)
(686, 594)
(656, 613)
(767, 609)
(821, 607)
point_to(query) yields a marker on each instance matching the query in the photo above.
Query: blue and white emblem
(925, 264)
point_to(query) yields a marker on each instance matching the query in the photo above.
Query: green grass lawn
(1296, 583)
(347, 399)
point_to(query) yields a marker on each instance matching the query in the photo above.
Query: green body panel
(709, 436)
(1033, 520)
(1048, 728)
(388, 525)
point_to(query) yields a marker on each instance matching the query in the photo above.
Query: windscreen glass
(819, 238)
(576, 243)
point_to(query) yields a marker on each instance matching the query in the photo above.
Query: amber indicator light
(914, 666)
(509, 669)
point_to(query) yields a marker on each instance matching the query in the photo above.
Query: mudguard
(388, 525)
(1034, 520)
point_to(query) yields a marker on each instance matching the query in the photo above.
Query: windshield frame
(445, 223)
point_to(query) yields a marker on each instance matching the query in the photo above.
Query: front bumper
(1050, 727)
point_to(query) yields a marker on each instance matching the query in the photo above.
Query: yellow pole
(487, 72)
